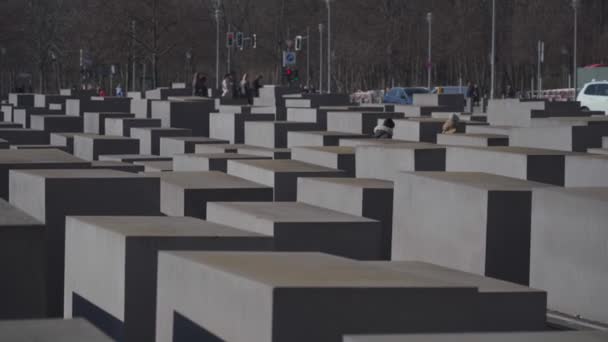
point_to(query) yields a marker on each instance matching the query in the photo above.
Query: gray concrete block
(23, 116)
(281, 175)
(45, 101)
(117, 166)
(141, 108)
(95, 123)
(221, 292)
(369, 198)
(387, 161)
(367, 141)
(170, 146)
(77, 192)
(563, 138)
(319, 138)
(187, 193)
(209, 161)
(357, 122)
(10, 125)
(149, 137)
(273, 134)
(24, 136)
(130, 158)
(601, 151)
(439, 100)
(512, 112)
(231, 126)
(63, 140)
(156, 165)
(193, 115)
(4, 144)
(111, 263)
(122, 126)
(22, 265)
(568, 250)
(217, 148)
(165, 93)
(471, 139)
(91, 146)
(273, 153)
(300, 227)
(21, 100)
(586, 170)
(56, 123)
(34, 159)
(333, 157)
(77, 107)
(39, 147)
(498, 130)
(552, 336)
(6, 112)
(419, 129)
(303, 115)
(545, 166)
(605, 142)
(473, 222)
(51, 330)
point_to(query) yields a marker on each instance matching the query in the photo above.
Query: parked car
(594, 96)
(404, 96)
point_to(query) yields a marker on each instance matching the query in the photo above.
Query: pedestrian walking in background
(226, 85)
(257, 85)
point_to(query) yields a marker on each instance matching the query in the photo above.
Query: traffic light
(239, 40)
(296, 75)
(229, 39)
(254, 41)
(298, 43)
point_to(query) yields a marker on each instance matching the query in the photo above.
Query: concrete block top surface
(202, 140)
(159, 129)
(190, 99)
(244, 148)
(73, 330)
(593, 194)
(66, 135)
(553, 336)
(161, 226)
(479, 135)
(381, 142)
(102, 137)
(421, 120)
(11, 216)
(479, 180)
(329, 134)
(307, 270)
(291, 212)
(343, 150)
(100, 164)
(79, 174)
(132, 157)
(220, 156)
(361, 183)
(407, 146)
(447, 275)
(284, 166)
(35, 156)
(518, 150)
(157, 164)
(207, 180)
(216, 148)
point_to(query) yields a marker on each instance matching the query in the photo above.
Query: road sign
(289, 58)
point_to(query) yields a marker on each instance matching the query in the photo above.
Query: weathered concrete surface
(77, 192)
(156, 165)
(357, 122)
(34, 159)
(333, 157)
(111, 262)
(56, 123)
(208, 161)
(299, 227)
(24, 136)
(320, 138)
(273, 153)
(51, 330)
(122, 126)
(187, 193)
(274, 287)
(282, 175)
(117, 166)
(149, 137)
(4, 144)
(95, 123)
(192, 115)
(231, 126)
(472, 139)
(387, 160)
(39, 147)
(130, 158)
(433, 227)
(170, 146)
(165, 93)
(369, 198)
(273, 134)
(63, 140)
(545, 166)
(22, 265)
(91, 146)
(420, 129)
(77, 107)
(564, 138)
(568, 250)
(586, 170)
(554, 336)
(364, 142)
(21, 100)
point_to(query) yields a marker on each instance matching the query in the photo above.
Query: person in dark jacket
(200, 88)
(257, 85)
(384, 131)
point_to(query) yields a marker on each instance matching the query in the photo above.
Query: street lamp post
(320, 58)
(328, 46)
(217, 46)
(493, 55)
(429, 19)
(575, 6)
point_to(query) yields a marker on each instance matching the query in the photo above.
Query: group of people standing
(243, 89)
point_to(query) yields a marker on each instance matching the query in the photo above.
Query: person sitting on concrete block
(450, 126)
(384, 131)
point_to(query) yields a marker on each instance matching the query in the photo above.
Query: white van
(594, 96)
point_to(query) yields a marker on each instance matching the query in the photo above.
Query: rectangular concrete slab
(24, 136)
(473, 222)
(320, 138)
(188, 114)
(187, 193)
(170, 146)
(149, 138)
(217, 294)
(63, 140)
(51, 330)
(56, 123)
(419, 129)
(273, 134)
(208, 161)
(369, 198)
(282, 175)
(553, 336)
(51, 195)
(22, 265)
(333, 157)
(130, 158)
(471, 139)
(111, 265)
(298, 227)
(568, 250)
(91, 146)
(231, 126)
(156, 165)
(95, 123)
(357, 122)
(273, 153)
(122, 126)
(586, 170)
(117, 166)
